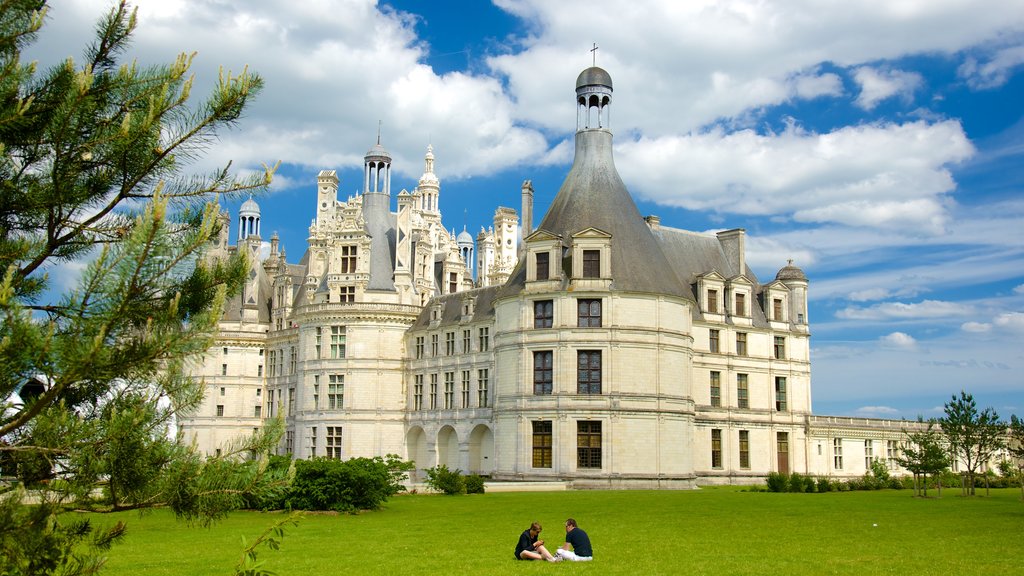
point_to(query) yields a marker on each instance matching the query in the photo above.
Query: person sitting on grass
(530, 548)
(576, 538)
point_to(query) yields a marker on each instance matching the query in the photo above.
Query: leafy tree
(923, 453)
(974, 437)
(92, 174)
(1015, 446)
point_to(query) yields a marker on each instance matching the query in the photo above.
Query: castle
(600, 348)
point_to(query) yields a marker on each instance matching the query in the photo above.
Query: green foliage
(777, 482)
(824, 484)
(924, 453)
(249, 564)
(93, 175)
(474, 484)
(880, 470)
(450, 482)
(344, 485)
(974, 436)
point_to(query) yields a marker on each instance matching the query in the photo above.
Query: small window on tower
(543, 262)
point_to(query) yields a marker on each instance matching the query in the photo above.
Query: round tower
(593, 99)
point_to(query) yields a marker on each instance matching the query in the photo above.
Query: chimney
(527, 223)
(734, 245)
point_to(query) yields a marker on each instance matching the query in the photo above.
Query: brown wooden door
(782, 450)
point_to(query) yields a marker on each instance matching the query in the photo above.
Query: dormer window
(591, 263)
(543, 264)
(777, 309)
(713, 301)
(741, 304)
(348, 259)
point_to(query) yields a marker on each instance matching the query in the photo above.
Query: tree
(974, 437)
(93, 174)
(1015, 446)
(922, 453)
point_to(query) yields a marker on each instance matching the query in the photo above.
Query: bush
(777, 482)
(797, 483)
(824, 484)
(342, 485)
(474, 484)
(441, 479)
(880, 471)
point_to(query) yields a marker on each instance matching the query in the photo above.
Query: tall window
(466, 341)
(449, 390)
(716, 388)
(716, 448)
(316, 391)
(465, 388)
(741, 343)
(433, 344)
(542, 372)
(892, 453)
(334, 442)
(319, 335)
(742, 392)
(777, 309)
(481, 387)
(335, 391)
(348, 259)
(741, 304)
(588, 444)
(312, 441)
(869, 454)
(744, 449)
(589, 312)
(453, 282)
(223, 369)
(347, 294)
(588, 372)
(419, 347)
(417, 393)
(449, 343)
(270, 365)
(485, 339)
(337, 341)
(591, 263)
(542, 444)
(220, 409)
(543, 313)
(257, 411)
(289, 441)
(433, 391)
(713, 301)
(837, 453)
(713, 336)
(780, 393)
(780, 347)
(293, 360)
(543, 260)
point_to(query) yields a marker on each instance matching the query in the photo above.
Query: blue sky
(877, 144)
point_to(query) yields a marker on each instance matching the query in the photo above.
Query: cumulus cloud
(899, 340)
(875, 176)
(926, 309)
(877, 84)
(1019, 289)
(877, 411)
(994, 71)
(1012, 321)
(977, 327)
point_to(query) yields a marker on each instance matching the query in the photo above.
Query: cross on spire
(593, 52)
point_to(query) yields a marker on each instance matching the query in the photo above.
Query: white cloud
(877, 411)
(877, 84)
(926, 309)
(875, 176)
(995, 71)
(899, 340)
(977, 327)
(1012, 321)
(1019, 289)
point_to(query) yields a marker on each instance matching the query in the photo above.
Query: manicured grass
(712, 531)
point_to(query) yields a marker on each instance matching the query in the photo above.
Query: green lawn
(712, 531)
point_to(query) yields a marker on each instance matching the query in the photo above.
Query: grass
(712, 531)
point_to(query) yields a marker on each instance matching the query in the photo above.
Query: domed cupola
(790, 272)
(593, 99)
(377, 170)
(429, 186)
(248, 219)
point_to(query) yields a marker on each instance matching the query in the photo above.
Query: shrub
(796, 483)
(474, 484)
(777, 482)
(880, 471)
(824, 484)
(442, 479)
(345, 486)
(398, 472)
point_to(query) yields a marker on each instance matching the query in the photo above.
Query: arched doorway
(481, 450)
(448, 447)
(416, 446)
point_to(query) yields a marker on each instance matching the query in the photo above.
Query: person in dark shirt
(578, 540)
(530, 548)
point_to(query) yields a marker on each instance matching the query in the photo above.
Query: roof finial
(593, 52)
(379, 122)
(790, 261)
